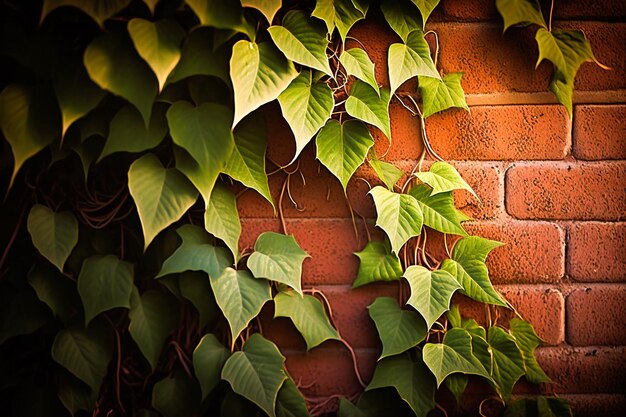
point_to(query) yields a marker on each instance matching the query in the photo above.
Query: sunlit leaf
(358, 64)
(221, 218)
(443, 177)
(208, 360)
(386, 171)
(402, 17)
(438, 210)
(267, 7)
(53, 234)
(377, 263)
(308, 315)
(222, 14)
(409, 60)
(364, 103)
(527, 341)
(341, 14)
(439, 95)
(425, 7)
(515, 12)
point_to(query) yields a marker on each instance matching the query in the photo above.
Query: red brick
(584, 370)
(585, 191)
(406, 135)
(599, 132)
(596, 252)
(533, 252)
(501, 133)
(330, 242)
(596, 405)
(596, 315)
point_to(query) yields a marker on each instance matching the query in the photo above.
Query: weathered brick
(599, 132)
(596, 315)
(406, 135)
(596, 252)
(596, 405)
(501, 133)
(584, 370)
(584, 191)
(533, 252)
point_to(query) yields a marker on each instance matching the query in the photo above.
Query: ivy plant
(128, 128)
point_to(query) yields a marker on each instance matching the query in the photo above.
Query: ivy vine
(129, 124)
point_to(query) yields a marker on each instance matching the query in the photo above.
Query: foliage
(128, 123)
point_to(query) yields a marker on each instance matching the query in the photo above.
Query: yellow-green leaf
(369, 105)
(377, 263)
(358, 64)
(439, 95)
(409, 60)
(221, 218)
(53, 234)
(516, 12)
(267, 7)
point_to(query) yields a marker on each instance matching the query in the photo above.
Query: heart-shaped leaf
(439, 95)
(453, 355)
(221, 218)
(208, 360)
(516, 12)
(113, 64)
(402, 17)
(399, 330)
(527, 341)
(290, 402)
(399, 215)
(104, 282)
(431, 291)
(308, 315)
(410, 59)
(341, 14)
(267, 7)
(377, 263)
(98, 10)
(175, 396)
(425, 7)
(342, 147)
(444, 177)
(259, 73)
(256, 372)
(196, 287)
(158, 44)
(306, 105)
(358, 64)
(410, 378)
(54, 234)
(153, 316)
(161, 195)
(278, 258)
(387, 172)
(507, 365)
(205, 133)
(221, 14)
(54, 289)
(438, 210)
(240, 297)
(364, 103)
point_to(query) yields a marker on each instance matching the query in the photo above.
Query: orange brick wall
(553, 189)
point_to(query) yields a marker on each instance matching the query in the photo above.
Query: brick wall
(552, 188)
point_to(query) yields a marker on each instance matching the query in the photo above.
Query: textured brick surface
(501, 133)
(533, 251)
(596, 405)
(596, 252)
(584, 191)
(599, 132)
(596, 315)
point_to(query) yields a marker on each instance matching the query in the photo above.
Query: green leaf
(399, 330)
(338, 13)
(151, 5)
(468, 267)
(85, 352)
(567, 50)
(402, 17)
(278, 258)
(507, 365)
(158, 44)
(247, 161)
(28, 122)
(54, 289)
(256, 372)
(208, 360)
(364, 103)
(302, 40)
(308, 315)
(342, 147)
(452, 356)
(410, 378)
(409, 60)
(98, 10)
(440, 95)
(516, 12)
(399, 215)
(153, 317)
(527, 341)
(113, 64)
(267, 7)
(74, 394)
(456, 384)
(358, 64)
(128, 132)
(201, 56)
(425, 7)
(539, 406)
(438, 210)
(240, 297)
(76, 93)
(444, 177)
(161, 195)
(377, 263)
(221, 218)
(54, 234)
(175, 397)
(387, 172)
(290, 402)
(306, 105)
(221, 14)
(196, 288)
(205, 133)
(259, 73)
(347, 409)
(104, 283)
(431, 292)
(196, 253)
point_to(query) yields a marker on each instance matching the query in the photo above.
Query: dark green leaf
(221, 218)
(53, 234)
(507, 365)
(438, 210)
(201, 56)
(196, 287)
(98, 10)
(527, 341)
(208, 360)
(290, 402)
(176, 396)
(377, 263)
(54, 289)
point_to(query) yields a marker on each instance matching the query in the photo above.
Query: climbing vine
(128, 127)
